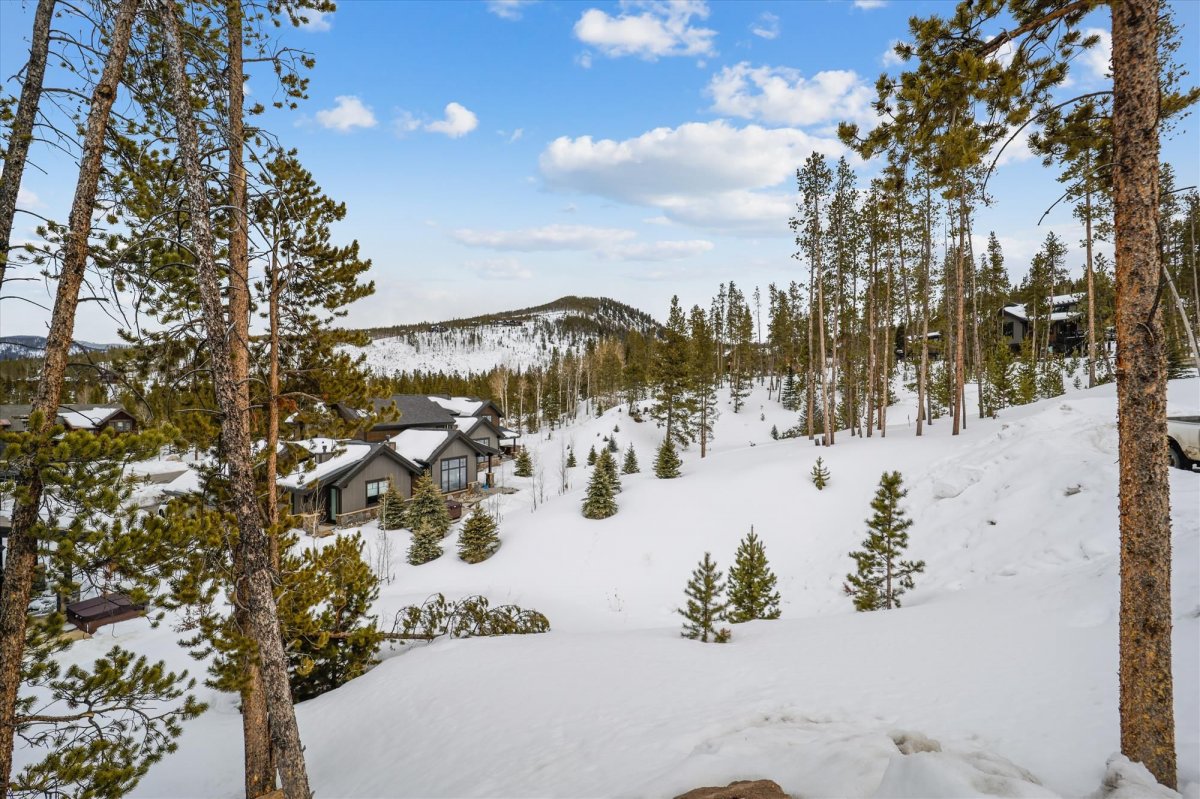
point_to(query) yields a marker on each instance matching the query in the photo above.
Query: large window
(454, 474)
(375, 490)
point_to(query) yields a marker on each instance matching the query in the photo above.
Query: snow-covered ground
(998, 677)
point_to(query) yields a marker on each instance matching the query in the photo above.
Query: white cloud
(458, 122)
(663, 28)
(316, 21)
(405, 123)
(614, 244)
(516, 135)
(499, 269)
(869, 5)
(657, 220)
(508, 9)
(348, 113)
(584, 59)
(766, 26)
(658, 250)
(889, 57)
(1099, 57)
(545, 238)
(1017, 149)
(27, 199)
(701, 173)
(783, 95)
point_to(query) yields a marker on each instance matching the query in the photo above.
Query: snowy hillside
(998, 677)
(513, 339)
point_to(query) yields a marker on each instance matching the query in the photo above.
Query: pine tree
(631, 462)
(775, 432)
(612, 444)
(882, 577)
(478, 540)
(426, 543)
(752, 593)
(820, 475)
(591, 458)
(667, 463)
(788, 396)
(571, 462)
(524, 464)
(391, 509)
(599, 502)
(325, 612)
(428, 508)
(608, 463)
(671, 373)
(705, 604)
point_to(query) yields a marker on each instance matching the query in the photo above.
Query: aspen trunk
(21, 131)
(811, 371)
(22, 547)
(253, 544)
(1146, 699)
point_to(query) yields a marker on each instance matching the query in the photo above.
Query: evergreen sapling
(524, 464)
(819, 474)
(426, 544)
(666, 464)
(591, 458)
(631, 462)
(478, 539)
(599, 502)
(571, 462)
(391, 509)
(705, 604)
(882, 577)
(608, 463)
(752, 593)
(428, 508)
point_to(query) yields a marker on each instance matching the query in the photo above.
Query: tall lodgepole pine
(1146, 701)
(21, 132)
(21, 558)
(254, 549)
(256, 737)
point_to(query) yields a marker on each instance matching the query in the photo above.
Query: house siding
(456, 449)
(354, 493)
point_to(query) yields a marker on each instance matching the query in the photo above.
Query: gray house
(450, 458)
(415, 412)
(350, 480)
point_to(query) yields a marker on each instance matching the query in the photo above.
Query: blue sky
(496, 154)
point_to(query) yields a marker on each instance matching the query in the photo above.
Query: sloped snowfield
(998, 677)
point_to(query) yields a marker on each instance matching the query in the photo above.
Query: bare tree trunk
(922, 377)
(871, 359)
(20, 133)
(1146, 700)
(259, 769)
(959, 329)
(826, 421)
(22, 552)
(811, 370)
(1091, 284)
(253, 541)
(885, 354)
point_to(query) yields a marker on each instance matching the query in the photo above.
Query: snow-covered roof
(417, 445)
(1063, 299)
(1016, 309)
(162, 470)
(466, 423)
(509, 434)
(350, 454)
(186, 483)
(459, 406)
(316, 445)
(85, 418)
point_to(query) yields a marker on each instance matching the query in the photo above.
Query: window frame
(374, 500)
(455, 464)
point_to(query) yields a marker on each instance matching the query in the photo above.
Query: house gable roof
(424, 446)
(466, 406)
(380, 450)
(415, 411)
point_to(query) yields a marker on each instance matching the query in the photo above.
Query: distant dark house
(1059, 326)
(15, 418)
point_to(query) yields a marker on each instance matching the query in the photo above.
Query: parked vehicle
(1183, 440)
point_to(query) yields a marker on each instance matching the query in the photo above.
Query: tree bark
(22, 553)
(1091, 283)
(1146, 700)
(21, 132)
(959, 330)
(259, 768)
(253, 542)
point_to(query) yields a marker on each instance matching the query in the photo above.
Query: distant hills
(516, 339)
(14, 347)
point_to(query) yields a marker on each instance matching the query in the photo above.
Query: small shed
(92, 614)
